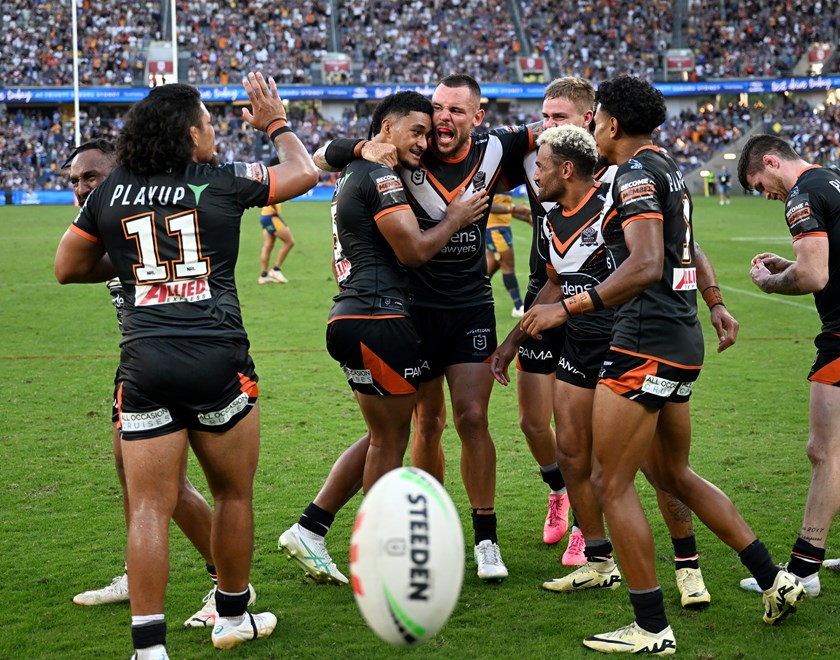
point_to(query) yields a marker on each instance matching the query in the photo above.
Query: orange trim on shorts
(827, 375)
(248, 386)
(84, 234)
(366, 318)
(383, 374)
(654, 358)
(632, 380)
(381, 214)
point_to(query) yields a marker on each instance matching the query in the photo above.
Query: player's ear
(479, 117)
(194, 133)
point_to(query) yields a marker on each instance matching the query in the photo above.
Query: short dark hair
(756, 148)
(156, 134)
(398, 105)
(636, 104)
(99, 144)
(463, 80)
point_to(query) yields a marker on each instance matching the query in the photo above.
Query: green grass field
(61, 525)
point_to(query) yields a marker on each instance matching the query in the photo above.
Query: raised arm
(296, 173)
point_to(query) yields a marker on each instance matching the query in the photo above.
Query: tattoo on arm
(321, 161)
(785, 282)
(282, 154)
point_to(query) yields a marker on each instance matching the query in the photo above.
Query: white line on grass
(761, 239)
(765, 296)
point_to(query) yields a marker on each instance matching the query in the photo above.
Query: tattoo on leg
(679, 510)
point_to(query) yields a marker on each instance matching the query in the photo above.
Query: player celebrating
(453, 303)
(168, 223)
(640, 409)
(375, 234)
(90, 164)
(811, 195)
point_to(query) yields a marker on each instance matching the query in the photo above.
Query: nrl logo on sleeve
(418, 176)
(479, 180)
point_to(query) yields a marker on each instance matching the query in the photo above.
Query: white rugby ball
(407, 557)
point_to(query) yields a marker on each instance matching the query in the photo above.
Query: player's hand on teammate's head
(266, 104)
(381, 153)
(468, 210)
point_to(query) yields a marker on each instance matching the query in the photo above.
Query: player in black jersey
(811, 195)
(89, 165)
(640, 409)
(167, 223)
(453, 302)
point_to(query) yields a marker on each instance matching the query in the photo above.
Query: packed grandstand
(372, 42)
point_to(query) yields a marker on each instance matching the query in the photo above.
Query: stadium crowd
(35, 142)
(398, 42)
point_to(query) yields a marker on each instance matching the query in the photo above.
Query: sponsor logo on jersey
(223, 416)
(684, 279)
(418, 176)
(388, 182)
(794, 192)
(635, 165)
(126, 195)
(798, 212)
(659, 386)
(589, 237)
(172, 292)
(637, 190)
(256, 172)
(479, 180)
(342, 270)
(360, 376)
(145, 421)
(464, 243)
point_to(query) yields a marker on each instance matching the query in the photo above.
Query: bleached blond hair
(572, 143)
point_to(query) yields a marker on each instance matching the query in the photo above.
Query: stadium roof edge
(26, 95)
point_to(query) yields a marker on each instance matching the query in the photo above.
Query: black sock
(149, 634)
(575, 520)
(685, 552)
(212, 571)
(264, 274)
(230, 605)
(756, 558)
(805, 558)
(316, 520)
(649, 608)
(484, 527)
(598, 550)
(551, 475)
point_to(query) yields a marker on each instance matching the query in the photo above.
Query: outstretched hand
(266, 104)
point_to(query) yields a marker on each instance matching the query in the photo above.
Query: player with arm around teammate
(169, 222)
(811, 195)
(369, 332)
(640, 409)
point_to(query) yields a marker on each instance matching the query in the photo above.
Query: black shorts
(647, 380)
(581, 360)
(826, 368)
(167, 385)
(379, 356)
(542, 356)
(450, 336)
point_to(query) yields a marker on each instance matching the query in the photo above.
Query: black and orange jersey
(539, 256)
(578, 256)
(373, 281)
(174, 240)
(456, 277)
(661, 322)
(812, 208)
